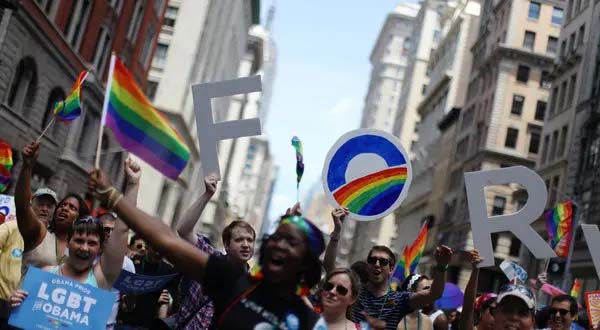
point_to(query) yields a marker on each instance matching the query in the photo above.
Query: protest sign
(512, 271)
(519, 223)
(7, 207)
(57, 302)
(138, 284)
(209, 132)
(368, 172)
(592, 301)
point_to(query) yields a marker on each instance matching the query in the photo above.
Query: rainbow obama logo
(368, 172)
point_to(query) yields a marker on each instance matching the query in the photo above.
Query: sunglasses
(139, 246)
(86, 219)
(382, 261)
(341, 290)
(107, 230)
(562, 311)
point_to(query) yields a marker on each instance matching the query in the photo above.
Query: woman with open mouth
(267, 297)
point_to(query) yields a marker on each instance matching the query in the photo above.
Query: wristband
(442, 268)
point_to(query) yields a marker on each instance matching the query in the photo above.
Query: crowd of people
(290, 287)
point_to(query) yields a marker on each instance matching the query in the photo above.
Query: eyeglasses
(382, 261)
(562, 311)
(341, 290)
(140, 246)
(86, 219)
(107, 230)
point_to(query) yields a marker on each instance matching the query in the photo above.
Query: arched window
(56, 95)
(23, 86)
(77, 22)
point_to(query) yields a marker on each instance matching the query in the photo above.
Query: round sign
(368, 172)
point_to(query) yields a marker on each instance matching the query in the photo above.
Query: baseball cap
(46, 191)
(484, 301)
(519, 291)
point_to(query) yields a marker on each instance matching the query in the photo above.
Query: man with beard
(11, 248)
(378, 301)
(196, 308)
(563, 311)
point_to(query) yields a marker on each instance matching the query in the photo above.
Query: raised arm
(466, 318)
(32, 229)
(185, 225)
(184, 256)
(338, 215)
(443, 254)
(115, 248)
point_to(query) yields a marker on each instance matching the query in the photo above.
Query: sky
(323, 72)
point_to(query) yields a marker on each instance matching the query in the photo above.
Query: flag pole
(105, 109)
(45, 129)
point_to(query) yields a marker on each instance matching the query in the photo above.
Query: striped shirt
(397, 305)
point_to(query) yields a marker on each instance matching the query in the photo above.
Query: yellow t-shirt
(11, 252)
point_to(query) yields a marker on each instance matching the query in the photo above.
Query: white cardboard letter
(209, 132)
(592, 238)
(518, 223)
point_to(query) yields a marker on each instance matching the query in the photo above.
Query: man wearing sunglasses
(515, 308)
(563, 311)
(379, 302)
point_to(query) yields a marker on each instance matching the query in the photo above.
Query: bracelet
(442, 268)
(112, 202)
(104, 191)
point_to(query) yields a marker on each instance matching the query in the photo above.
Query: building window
(552, 46)
(523, 73)
(437, 34)
(160, 56)
(517, 105)
(48, 6)
(512, 134)
(540, 110)
(572, 42)
(103, 48)
(545, 149)
(554, 190)
(581, 35)
(56, 95)
(151, 88)
(553, 102)
(561, 96)
(571, 93)
(557, 15)
(158, 6)
(534, 142)
(534, 10)
(77, 22)
(88, 141)
(545, 81)
(461, 148)
(170, 16)
(136, 21)
(563, 140)
(553, 146)
(467, 118)
(529, 40)
(424, 89)
(116, 6)
(23, 86)
(148, 42)
(499, 205)
(563, 48)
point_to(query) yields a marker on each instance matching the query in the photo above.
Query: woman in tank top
(43, 245)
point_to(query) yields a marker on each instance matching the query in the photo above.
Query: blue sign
(138, 284)
(56, 302)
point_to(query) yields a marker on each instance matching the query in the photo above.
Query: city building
(43, 47)
(568, 161)
(501, 121)
(439, 110)
(191, 50)
(389, 59)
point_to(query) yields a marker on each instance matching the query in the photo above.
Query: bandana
(314, 236)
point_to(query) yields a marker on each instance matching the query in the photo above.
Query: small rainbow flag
(559, 225)
(576, 288)
(69, 109)
(140, 128)
(299, 159)
(358, 194)
(409, 260)
(6, 164)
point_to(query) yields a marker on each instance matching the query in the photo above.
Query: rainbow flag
(559, 224)
(357, 194)
(297, 144)
(576, 288)
(140, 128)
(6, 164)
(409, 260)
(69, 109)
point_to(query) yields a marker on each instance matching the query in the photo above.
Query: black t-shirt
(144, 313)
(242, 303)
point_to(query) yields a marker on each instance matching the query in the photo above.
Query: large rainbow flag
(140, 128)
(70, 108)
(356, 194)
(559, 224)
(6, 164)
(409, 260)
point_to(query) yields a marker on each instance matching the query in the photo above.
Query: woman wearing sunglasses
(264, 299)
(338, 292)
(416, 320)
